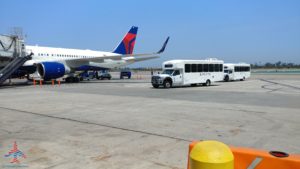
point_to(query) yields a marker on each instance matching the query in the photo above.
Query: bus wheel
(243, 79)
(194, 84)
(167, 84)
(226, 78)
(207, 83)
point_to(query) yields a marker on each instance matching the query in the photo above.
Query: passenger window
(187, 68)
(217, 68)
(211, 67)
(194, 67)
(205, 67)
(200, 67)
(176, 73)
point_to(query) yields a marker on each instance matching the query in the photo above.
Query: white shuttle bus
(189, 72)
(236, 71)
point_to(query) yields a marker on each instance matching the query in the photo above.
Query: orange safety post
(263, 159)
(52, 82)
(34, 82)
(248, 158)
(41, 83)
(58, 82)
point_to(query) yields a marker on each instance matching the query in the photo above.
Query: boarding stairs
(12, 56)
(11, 67)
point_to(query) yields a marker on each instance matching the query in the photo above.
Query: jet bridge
(12, 56)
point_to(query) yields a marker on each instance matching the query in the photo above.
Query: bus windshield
(168, 71)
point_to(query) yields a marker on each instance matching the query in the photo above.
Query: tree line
(278, 64)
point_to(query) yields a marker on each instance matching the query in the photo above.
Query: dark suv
(125, 73)
(104, 76)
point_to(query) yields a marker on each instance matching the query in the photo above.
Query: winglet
(164, 46)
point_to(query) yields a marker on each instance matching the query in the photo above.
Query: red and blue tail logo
(127, 44)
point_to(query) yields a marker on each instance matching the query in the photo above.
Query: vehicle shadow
(116, 81)
(14, 85)
(179, 87)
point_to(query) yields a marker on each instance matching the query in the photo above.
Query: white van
(236, 71)
(189, 72)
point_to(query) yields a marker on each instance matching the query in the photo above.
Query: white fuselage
(74, 58)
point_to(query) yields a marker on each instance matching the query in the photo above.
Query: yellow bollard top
(211, 152)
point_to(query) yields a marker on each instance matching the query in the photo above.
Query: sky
(252, 31)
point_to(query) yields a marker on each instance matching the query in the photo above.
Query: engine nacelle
(51, 70)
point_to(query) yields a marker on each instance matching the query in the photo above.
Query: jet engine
(51, 70)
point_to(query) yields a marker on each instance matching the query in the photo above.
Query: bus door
(177, 77)
(230, 74)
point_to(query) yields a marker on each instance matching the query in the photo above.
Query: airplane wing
(138, 59)
(116, 56)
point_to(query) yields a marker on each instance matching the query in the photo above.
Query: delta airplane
(52, 63)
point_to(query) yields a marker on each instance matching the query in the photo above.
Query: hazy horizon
(234, 31)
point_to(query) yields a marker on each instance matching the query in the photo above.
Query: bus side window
(194, 67)
(216, 68)
(242, 68)
(211, 67)
(200, 67)
(187, 68)
(205, 67)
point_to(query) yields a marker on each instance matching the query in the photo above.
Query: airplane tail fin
(127, 44)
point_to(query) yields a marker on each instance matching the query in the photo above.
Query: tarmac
(125, 123)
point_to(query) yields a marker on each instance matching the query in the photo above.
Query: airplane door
(177, 77)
